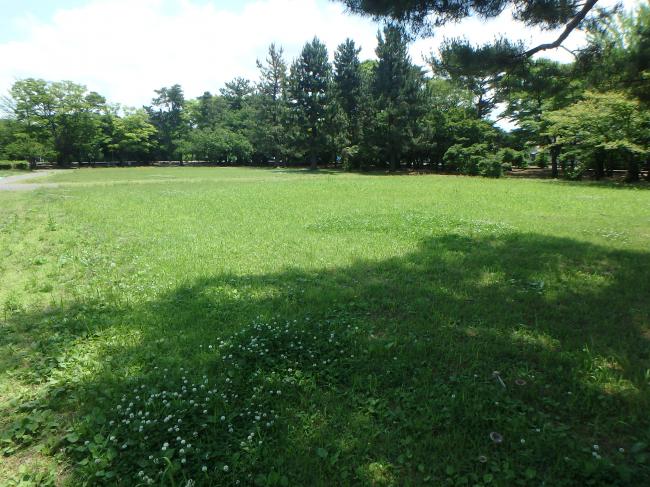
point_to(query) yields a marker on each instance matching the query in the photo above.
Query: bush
(21, 165)
(472, 160)
(542, 159)
(506, 166)
(513, 157)
(349, 157)
(490, 167)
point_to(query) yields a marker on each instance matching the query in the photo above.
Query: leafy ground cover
(221, 326)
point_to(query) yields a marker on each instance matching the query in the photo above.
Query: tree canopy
(421, 16)
(587, 117)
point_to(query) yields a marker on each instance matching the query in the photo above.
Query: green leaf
(72, 437)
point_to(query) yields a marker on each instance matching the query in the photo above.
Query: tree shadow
(568, 321)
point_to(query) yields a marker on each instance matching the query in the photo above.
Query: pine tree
(166, 113)
(272, 105)
(309, 84)
(347, 82)
(398, 94)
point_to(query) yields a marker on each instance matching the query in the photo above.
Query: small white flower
(226, 468)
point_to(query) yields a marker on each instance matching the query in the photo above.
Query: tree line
(389, 113)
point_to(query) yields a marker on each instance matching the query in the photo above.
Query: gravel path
(13, 183)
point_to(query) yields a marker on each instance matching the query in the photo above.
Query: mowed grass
(9, 172)
(302, 329)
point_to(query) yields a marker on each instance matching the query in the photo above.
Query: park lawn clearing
(239, 326)
(9, 172)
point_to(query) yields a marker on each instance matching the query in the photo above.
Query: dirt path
(13, 183)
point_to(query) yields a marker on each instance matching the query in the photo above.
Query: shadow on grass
(566, 320)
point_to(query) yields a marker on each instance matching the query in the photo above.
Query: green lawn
(9, 172)
(280, 327)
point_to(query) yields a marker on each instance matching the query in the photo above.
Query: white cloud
(125, 49)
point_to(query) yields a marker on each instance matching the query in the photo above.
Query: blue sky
(124, 49)
(13, 11)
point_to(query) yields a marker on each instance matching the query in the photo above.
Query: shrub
(490, 167)
(21, 165)
(349, 157)
(453, 157)
(473, 160)
(512, 157)
(542, 159)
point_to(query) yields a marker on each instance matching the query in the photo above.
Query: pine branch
(575, 21)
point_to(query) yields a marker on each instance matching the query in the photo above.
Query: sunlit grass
(431, 283)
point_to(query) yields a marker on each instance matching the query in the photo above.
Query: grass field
(285, 328)
(9, 172)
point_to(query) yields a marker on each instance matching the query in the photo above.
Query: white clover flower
(226, 468)
(496, 437)
(204, 468)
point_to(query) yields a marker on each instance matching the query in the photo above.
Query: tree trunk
(312, 160)
(600, 165)
(554, 155)
(632, 175)
(393, 162)
(312, 151)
